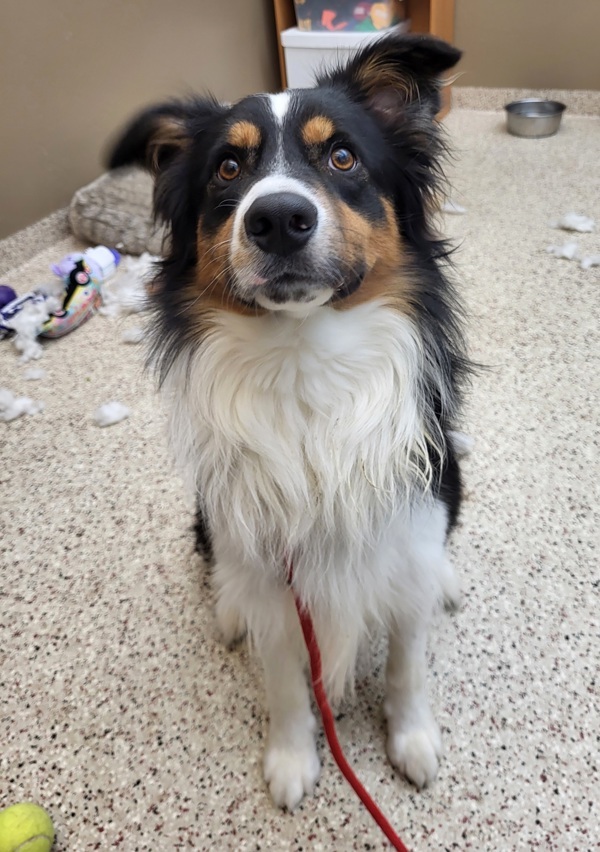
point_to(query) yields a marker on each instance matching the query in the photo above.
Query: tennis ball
(25, 828)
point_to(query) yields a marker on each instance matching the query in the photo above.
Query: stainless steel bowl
(533, 117)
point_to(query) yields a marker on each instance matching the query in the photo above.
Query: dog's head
(300, 199)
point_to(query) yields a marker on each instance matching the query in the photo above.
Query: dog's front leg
(291, 763)
(414, 739)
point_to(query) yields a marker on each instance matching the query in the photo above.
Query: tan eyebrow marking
(317, 130)
(244, 134)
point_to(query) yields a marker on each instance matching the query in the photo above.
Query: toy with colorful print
(67, 307)
(348, 15)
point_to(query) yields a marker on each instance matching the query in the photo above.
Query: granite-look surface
(22, 246)
(577, 101)
(119, 710)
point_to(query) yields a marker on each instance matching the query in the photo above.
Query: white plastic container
(308, 53)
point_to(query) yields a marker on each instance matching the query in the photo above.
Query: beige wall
(546, 44)
(71, 71)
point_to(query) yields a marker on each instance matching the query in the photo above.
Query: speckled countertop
(119, 710)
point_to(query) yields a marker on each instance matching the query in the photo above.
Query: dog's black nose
(281, 223)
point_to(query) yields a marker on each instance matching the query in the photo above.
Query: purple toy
(7, 295)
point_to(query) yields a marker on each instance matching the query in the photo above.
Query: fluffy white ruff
(307, 436)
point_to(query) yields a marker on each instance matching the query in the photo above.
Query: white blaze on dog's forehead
(278, 183)
(279, 105)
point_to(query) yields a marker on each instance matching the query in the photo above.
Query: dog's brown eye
(229, 169)
(342, 159)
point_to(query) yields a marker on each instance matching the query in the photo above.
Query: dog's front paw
(230, 624)
(451, 590)
(291, 772)
(416, 751)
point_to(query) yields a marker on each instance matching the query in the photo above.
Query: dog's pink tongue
(257, 281)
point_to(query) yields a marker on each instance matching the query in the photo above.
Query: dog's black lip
(287, 278)
(349, 286)
(309, 279)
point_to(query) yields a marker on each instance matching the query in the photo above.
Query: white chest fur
(294, 427)
(307, 436)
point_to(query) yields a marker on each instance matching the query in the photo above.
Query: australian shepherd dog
(308, 347)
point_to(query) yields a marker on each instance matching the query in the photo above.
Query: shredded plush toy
(27, 324)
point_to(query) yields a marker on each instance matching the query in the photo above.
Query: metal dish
(533, 117)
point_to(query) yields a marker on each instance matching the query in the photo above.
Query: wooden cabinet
(426, 16)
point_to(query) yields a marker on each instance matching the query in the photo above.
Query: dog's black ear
(155, 136)
(395, 72)
(152, 138)
(159, 139)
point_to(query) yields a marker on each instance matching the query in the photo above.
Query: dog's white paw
(451, 587)
(416, 751)
(291, 773)
(230, 624)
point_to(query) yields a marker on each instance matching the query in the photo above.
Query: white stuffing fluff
(125, 292)
(54, 289)
(590, 260)
(27, 324)
(574, 222)
(133, 335)
(452, 207)
(33, 374)
(12, 406)
(569, 251)
(111, 412)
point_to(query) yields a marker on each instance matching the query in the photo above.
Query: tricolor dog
(309, 351)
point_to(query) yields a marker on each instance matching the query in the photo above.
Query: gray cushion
(116, 211)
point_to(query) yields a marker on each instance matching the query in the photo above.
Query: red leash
(329, 725)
